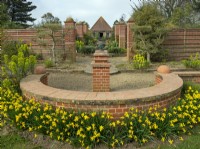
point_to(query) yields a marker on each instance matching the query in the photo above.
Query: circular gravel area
(83, 82)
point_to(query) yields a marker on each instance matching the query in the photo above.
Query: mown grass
(189, 142)
(15, 141)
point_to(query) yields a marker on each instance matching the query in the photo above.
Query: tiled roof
(101, 25)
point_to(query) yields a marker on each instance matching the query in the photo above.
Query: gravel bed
(83, 82)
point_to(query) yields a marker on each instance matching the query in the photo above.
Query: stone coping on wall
(171, 84)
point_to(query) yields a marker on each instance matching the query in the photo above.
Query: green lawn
(15, 141)
(190, 142)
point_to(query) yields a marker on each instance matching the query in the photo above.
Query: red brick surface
(163, 94)
(101, 72)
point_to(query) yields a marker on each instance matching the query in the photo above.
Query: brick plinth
(101, 72)
(70, 38)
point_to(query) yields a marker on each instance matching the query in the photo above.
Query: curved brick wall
(166, 92)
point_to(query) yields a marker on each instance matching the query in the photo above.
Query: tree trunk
(53, 47)
(148, 57)
(53, 52)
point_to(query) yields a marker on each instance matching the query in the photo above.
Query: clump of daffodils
(88, 129)
(139, 62)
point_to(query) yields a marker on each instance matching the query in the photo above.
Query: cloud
(83, 10)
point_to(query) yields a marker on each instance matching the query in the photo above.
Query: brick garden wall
(181, 43)
(38, 45)
(189, 76)
(65, 39)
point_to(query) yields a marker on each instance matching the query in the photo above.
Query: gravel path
(83, 82)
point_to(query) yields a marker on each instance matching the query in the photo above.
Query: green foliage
(4, 17)
(149, 29)
(160, 56)
(10, 48)
(183, 17)
(88, 49)
(48, 18)
(186, 85)
(112, 47)
(84, 49)
(79, 46)
(39, 56)
(18, 66)
(48, 63)
(88, 39)
(139, 62)
(192, 62)
(49, 28)
(88, 129)
(18, 12)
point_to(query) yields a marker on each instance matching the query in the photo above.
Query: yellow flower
(181, 138)
(89, 128)
(86, 117)
(17, 118)
(126, 114)
(35, 135)
(92, 138)
(101, 128)
(76, 119)
(93, 114)
(170, 141)
(1, 124)
(144, 140)
(163, 139)
(30, 129)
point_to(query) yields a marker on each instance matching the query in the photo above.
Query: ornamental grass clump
(88, 129)
(139, 62)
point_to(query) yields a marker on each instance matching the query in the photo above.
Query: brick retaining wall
(190, 76)
(163, 94)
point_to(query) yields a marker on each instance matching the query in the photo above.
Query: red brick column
(70, 38)
(85, 28)
(101, 72)
(79, 30)
(130, 40)
(122, 35)
(117, 32)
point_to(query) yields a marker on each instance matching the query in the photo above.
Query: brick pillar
(85, 28)
(79, 30)
(122, 35)
(117, 32)
(70, 38)
(101, 72)
(130, 40)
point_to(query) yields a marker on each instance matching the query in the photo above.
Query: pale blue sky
(83, 10)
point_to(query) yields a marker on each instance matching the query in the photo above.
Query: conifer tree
(19, 12)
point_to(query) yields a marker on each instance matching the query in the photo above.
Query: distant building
(101, 29)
